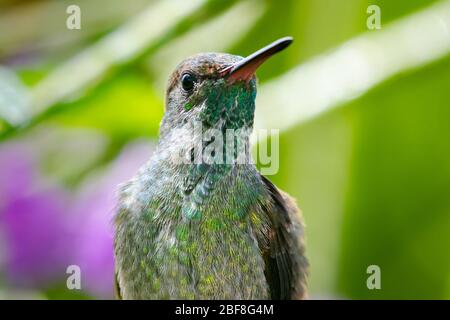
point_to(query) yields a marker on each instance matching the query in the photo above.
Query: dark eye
(188, 81)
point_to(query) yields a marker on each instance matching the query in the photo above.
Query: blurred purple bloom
(32, 220)
(45, 227)
(37, 236)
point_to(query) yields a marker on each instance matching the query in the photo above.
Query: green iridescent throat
(233, 103)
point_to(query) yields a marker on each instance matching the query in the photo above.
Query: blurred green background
(370, 168)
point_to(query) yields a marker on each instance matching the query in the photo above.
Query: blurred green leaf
(14, 98)
(60, 292)
(391, 10)
(397, 212)
(124, 107)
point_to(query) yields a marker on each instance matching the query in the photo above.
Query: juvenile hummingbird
(191, 227)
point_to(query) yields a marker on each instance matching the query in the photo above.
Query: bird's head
(217, 90)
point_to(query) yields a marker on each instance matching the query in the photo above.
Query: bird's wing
(283, 246)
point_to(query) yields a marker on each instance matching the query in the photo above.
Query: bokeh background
(363, 115)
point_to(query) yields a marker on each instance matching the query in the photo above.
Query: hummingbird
(189, 226)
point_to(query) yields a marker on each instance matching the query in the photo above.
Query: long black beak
(246, 68)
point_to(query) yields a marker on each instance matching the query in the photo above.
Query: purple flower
(45, 227)
(32, 220)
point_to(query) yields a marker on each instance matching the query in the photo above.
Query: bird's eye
(188, 81)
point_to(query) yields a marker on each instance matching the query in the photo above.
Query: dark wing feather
(117, 292)
(283, 250)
